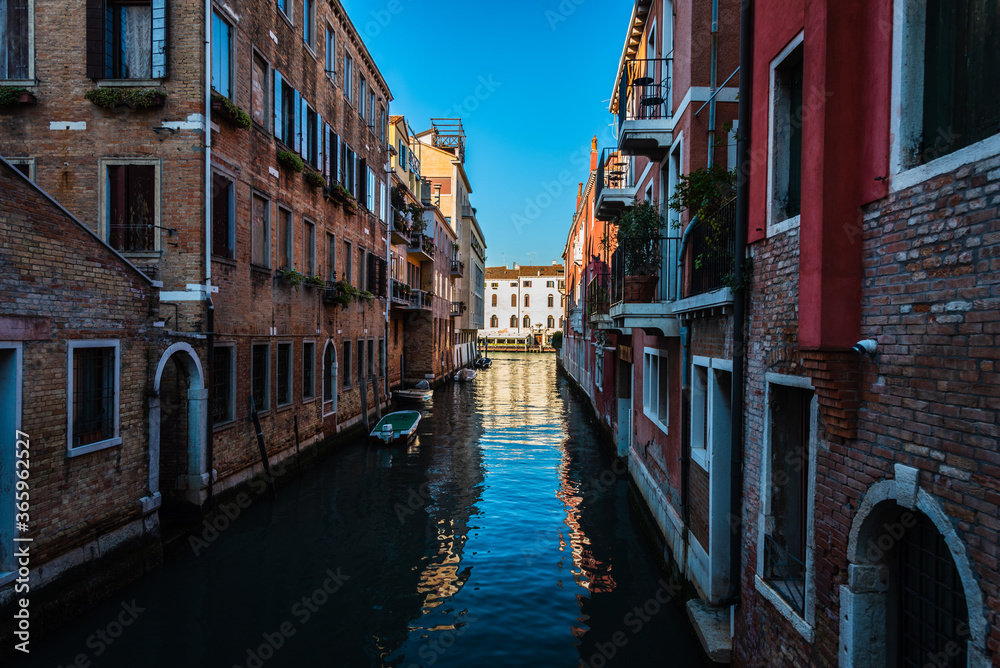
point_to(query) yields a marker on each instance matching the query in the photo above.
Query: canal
(502, 537)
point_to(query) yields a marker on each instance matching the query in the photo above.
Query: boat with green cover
(397, 428)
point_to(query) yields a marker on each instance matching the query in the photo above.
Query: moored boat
(413, 395)
(398, 428)
(465, 374)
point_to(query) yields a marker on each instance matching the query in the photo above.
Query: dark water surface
(502, 537)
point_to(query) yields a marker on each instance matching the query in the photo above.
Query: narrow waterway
(502, 537)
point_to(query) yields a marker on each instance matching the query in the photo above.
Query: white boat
(414, 395)
(465, 374)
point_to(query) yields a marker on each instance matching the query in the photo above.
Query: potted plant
(290, 276)
(228, 110)
(639, 231)
(315, 281)
(315, 179)
(11, 96)
(291, 161)
(134, 98)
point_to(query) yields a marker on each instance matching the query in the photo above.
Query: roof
(496, 273)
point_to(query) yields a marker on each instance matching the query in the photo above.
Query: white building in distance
(523, 302)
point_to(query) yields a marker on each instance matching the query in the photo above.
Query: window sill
(142, 255)
(284, 407)
(260, 269)
(224, 260)
(94, 447)
(125, 83)
(911, 176)
(287, 19)
(311, 50)
(802, 626)
(656, 421)
(19, 83)
(775, 229)
(308, 400)
(700, 457)
(223, 426)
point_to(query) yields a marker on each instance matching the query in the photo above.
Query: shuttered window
(222, 45)
(126, 39)
(260, 232)
(15, 57)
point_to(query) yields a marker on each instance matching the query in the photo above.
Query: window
(552, 301)
(287, 112)
(260, 93)
(513, 321)
(330, 379)
(285, 242)
(348, 77)
(656, 387)
(495, 286)
(131, 209)
(785, 171)
(371, 358)
(260, 232)
(348, 263)
(362, 273)
(331, 259)
(551, 324)
(24, 165)
(310, 137)
(16, 35)
(94, 374)
(370, 190)
(513, 284)
(699, 413)
(308, 370)
(127, 39)
(223, 381)
(362, 96)
(494, 300)
(287, 8)
(527, 284)
(371, 108)
(361, 364)
(527, 322)
(494, 321)
(223, 216)
(550, 284)
(347, 364)
(560, 322)
(527, 301)
(402, 155)
(789, 429)
(383, 124)
(513, 301)
(260, 373)
(383, 371)
(222, 56)
(309, 249)
(331, 53)
(599, 368)
(284, 374)
(308, 23)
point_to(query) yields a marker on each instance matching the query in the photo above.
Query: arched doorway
(177, 412)
(329, 378)
(911, 597)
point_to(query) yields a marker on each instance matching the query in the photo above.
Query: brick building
(80, 337)
(524, 305)
(231, 154)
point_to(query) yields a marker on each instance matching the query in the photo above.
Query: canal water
(502, 537)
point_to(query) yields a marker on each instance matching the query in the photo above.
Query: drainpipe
(739, 303)
(712, 84)
(210, 308)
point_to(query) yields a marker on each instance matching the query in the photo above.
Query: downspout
(210, 308)
(739, 303)
(713, 83)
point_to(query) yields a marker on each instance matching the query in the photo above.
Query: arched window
(552, 301)
(330, 379)
(552, 321)
(527, 322)
(494, 321)
(513, 301)
(527, 301)
(560, 322)
(513, 321)
(494, 299)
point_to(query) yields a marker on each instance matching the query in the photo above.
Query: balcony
(457, 309)
(418, 300)
(599, 300)
(399, 294)
(468, 211)
(644, 108)
(402, 229)
(421, 248)
(643, 296)
(457, 267)
(576, 318)
(707, 264)
(615, 185)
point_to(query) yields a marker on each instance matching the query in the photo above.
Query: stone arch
(196, 478)
(863, 599)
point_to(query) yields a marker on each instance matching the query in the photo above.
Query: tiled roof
(498, 273)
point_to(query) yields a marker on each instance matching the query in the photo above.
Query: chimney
(555, 263)
(579, 196)
(593, 154)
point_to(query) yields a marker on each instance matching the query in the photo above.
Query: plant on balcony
(342, 293)
(367, 296)
(291, 161)
(703, 191)
(455, 246)
(134, 98)
(11, 96)
(228, 110)
(315, 179)
(417, 213)
(315, 281)
(290, 276)
(350, 205)
(638, 234)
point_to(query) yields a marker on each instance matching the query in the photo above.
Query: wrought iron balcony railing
(599, 294)
(400, 293)
(644, 90)
(646, 274)
(457, 309)
(615, 186)
(710, 255)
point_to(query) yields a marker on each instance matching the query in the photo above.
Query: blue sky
(531, 82)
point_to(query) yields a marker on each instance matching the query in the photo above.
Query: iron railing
(400, 293)
(421, 299)
(711, 251)
(422, 242)
(644, 90)
(457, 309)
(599, 294)
(614, 172)
(786, 574)
(646, 282)
(457, 266)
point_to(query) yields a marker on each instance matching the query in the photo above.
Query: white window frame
(116, 439)
(29, 161)
(650, 411)
(773, 226)
(30, 81)
(291, 373)
(267, 375)
(349, 78)
(907, 91)
(308, 398)
(330, 54)
(804, 626)
(231, 345)
(102, 199)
